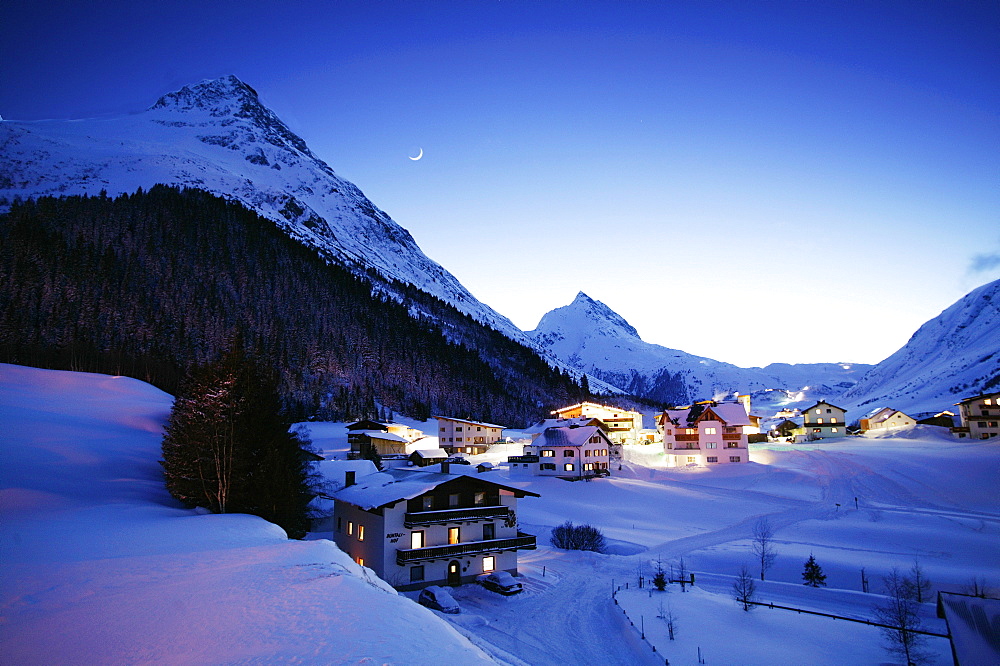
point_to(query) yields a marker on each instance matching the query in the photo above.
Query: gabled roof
(381, 434)
(475, 423)
(378, 490)
(578, 421)
(430, 453)
(978, 397)
(568, 436)
(730, 413)
(823, 402)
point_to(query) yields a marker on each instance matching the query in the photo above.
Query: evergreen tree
(227, 446)
(813, 574)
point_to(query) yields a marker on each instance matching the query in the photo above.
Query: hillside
(151, 283)
(953, 356)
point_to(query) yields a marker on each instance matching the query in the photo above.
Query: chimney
(446, 467)
(349, 478)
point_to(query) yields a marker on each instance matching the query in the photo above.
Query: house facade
(574, 452)
(416, 528)
(885, 418)
(980, 416)
(706, 434)
(623, 426)
(469, 437)
(824, 420)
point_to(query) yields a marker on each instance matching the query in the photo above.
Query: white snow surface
(591, 337)
(93, 546)
(101, 566)
(956, 355)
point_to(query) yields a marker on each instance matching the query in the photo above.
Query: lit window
(489, 563)
(692, 459)
(569, 467)
(709, 431)
(480, 499)
(690, 431)
(453, 535)
(833, 430)
(818, 411)
(361, 532)
(819, 420)
(548, 453)
(361, 561)
(417, 539)
(350, 528)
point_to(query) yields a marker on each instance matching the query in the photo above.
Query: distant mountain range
(217, 136)
(594, 339)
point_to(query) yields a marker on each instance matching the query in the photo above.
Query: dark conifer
(812, 573)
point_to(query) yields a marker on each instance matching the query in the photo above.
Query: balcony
(731, 436)
(686, 447)
(419, 518)
(523, 459)
(686, 438)
(521, 542)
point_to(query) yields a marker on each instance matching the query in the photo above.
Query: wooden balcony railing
(417, 518)
(521, 542)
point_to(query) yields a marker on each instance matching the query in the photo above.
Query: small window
(453, 535)
(489, 564)
(734, 458)
(692, 459)
(361, 561)
(568, 453)
(428, 502)
(547, 466)
(340, 524)
(350, 528)
(489, 531)
(453, 500)
(480, 499)
(818, 411)
(458, 429)
(417, 539)
(833, 430)
(416, 574)
(829, 411)
(714, 459)
(548, 453)
(819, 420)
(709, 431)
(361, 532)
(569, 467)
(478, 429)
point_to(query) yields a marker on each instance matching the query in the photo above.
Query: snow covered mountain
(591, 337)
(953, 356)
(218, 136)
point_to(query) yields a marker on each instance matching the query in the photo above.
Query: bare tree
(667, 615)
(900, 611)
(977, 587)
(682, 574)
(919, 588)
(744, 588)
(763, 545)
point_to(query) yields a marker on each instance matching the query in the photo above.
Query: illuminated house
(885, 418)
(570, 452)
(622, 425)
(824, 420)
(471, 437)
(707, 433)
(416, 527)
(980, 416)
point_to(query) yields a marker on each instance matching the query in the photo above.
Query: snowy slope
(953, 356)
(218, 136)
(591, 337)
(101, 566)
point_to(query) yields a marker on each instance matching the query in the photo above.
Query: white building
(824, 420)
(885, 418)
(417, 527)
(706, 434)
(569, 452)
(980, 416)
(623, 426)
(470, 437)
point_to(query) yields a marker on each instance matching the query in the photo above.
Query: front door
(455, 573)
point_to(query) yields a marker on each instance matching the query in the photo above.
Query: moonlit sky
(754, 182)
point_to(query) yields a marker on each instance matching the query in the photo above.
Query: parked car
(438, 598)
(457, 460)
(501, 582)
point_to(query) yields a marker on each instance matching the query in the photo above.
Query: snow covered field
(101, 566)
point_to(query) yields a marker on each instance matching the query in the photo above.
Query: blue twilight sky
(755, 182)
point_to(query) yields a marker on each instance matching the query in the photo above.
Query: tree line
(156, 282)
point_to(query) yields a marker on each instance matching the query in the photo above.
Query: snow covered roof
(431, 453)
(972, 623)
(823, 402)
(379, 434)
(541, 426)
(391, 486)
(731, 413)
(567, 436)
(475, 423)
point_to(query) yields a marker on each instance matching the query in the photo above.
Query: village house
(824, 420)
(469, 437)
(623, 426)
(980, 416)
(416, 528)
(706, 433)
(385, 438)
(786, 429)
(885, 418)
(573, 452)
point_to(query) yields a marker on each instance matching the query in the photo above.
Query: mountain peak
(217, 95)
(588, 314)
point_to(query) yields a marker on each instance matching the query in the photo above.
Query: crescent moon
(418, 156)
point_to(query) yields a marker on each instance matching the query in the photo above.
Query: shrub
(578, 537)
